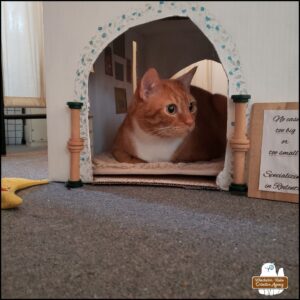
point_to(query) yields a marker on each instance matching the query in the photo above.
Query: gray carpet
(140, 242)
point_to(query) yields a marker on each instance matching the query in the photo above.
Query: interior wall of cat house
(168, 45)
(105, 117)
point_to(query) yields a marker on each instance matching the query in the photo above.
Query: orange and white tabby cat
(171, 121)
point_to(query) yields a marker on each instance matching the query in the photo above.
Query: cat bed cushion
(182, 181)
(106, 164)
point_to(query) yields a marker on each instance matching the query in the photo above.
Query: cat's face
(165, 107)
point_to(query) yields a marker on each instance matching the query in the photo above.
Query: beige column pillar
(134, 66)
(239, 144)
(75, 145)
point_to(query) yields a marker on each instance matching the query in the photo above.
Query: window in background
(22, 53)
(22, 69)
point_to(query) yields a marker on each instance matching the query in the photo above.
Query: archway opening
(171, 45)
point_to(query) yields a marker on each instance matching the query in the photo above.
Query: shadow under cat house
(158, 110)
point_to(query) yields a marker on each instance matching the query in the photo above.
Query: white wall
(266, 35)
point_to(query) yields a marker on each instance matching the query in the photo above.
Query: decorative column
(239, 144)
(134, 75)
(75, 145)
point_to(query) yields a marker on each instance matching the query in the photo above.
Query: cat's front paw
(124, 157)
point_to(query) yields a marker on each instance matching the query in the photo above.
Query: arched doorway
(106, 33)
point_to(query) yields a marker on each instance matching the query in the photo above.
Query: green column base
(238, 188)
(73, 184)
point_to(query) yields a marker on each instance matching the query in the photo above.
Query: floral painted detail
(106, 33)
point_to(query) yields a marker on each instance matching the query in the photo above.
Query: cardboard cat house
(72, 51)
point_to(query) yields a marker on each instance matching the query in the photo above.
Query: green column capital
(75, 105)
(240, 98)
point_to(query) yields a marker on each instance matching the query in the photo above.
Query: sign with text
(279, 171)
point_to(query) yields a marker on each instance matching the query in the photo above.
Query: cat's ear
(186, 78)
(149, 83)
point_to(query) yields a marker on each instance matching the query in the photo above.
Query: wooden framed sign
(274, 151)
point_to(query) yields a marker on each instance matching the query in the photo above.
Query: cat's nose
(189, 121)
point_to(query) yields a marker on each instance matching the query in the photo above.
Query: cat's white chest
(152, 148)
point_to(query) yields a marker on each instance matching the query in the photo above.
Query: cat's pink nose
(189, 121)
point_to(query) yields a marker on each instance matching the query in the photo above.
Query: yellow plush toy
(10, 185)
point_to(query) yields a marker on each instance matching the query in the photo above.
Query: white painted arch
(106, 33)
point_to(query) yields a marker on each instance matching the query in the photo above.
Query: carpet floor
(140, 242)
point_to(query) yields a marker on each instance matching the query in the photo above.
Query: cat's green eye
(171, 109)
(192, 106)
